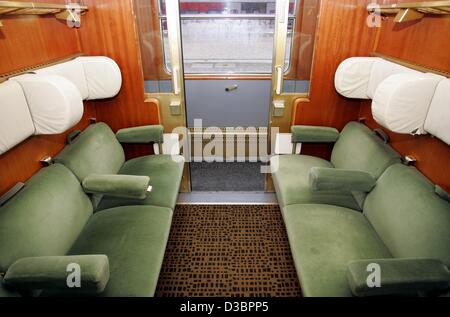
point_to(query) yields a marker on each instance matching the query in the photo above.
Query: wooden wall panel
(27, 41)
(109, 29)
(423, 42)
(147, 21)
(426, 43)
(30, 40)
(433, 155)
(341, 33)
(309, 10)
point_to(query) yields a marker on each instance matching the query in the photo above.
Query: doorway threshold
(227, 198)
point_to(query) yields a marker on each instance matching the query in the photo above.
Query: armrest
(122, 186)
(325, 178)
(144, 134)
(54, 273)
(313, 134)
(399, 276)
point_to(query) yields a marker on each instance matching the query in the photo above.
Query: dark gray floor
(227, 177)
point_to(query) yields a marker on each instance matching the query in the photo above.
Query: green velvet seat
(97, 151)
(134, 239)
(357, 148)
(165, 178)
(53, 216)
(323, 240)
(403, 217)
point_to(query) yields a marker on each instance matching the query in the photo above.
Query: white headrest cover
(401, 102)
(15, 119)
(438, 120)
(352, 77)
(55, 103)
(103, 77)
(73, 71)
(381, 70)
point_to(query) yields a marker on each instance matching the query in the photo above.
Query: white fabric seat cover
(15, 118)
(55, 103)
(72, 70)
(103, 77)
(438, 119)
(381, 70)
(401, 101)
(352, 76)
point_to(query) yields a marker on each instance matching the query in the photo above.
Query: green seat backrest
(44, 218)
(358, 148)
(95, 151)
(409, 217)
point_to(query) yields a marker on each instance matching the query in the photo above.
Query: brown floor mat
(228, 251)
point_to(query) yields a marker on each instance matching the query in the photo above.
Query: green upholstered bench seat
(134, 239)
(403, 217)
(323, 240)
(97, 151)
(52, 216)
(357, 148)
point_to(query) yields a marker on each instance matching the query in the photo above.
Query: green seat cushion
(134, 239)
(290, 175)
(95, 151)
(323, 240)
(44, 218)
(358, 148)
(165, 174)
(411, 219)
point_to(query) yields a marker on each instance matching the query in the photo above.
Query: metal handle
(279, 71)
(176, 83)
(231, 88)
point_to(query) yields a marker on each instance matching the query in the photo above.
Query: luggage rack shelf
(411, 11)
(68, 12)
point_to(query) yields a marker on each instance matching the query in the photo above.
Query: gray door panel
(247, 106)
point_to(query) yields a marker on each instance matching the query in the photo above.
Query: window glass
(227, 37)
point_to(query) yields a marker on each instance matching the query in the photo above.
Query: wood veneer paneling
(424, 42)
(31, 40)
(341, 33)
(309, 10)
(27, 41)
(109, 29)
(433, 155)
(147, 22)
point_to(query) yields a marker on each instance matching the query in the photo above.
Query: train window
(213, 45)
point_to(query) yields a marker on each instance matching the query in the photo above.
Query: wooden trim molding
(415, 66)
(6, 76)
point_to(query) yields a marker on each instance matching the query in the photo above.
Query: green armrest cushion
(121, 186)
(327, 178)
(144, 134)
(313, 134)
(57, 273)
(398, 276)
